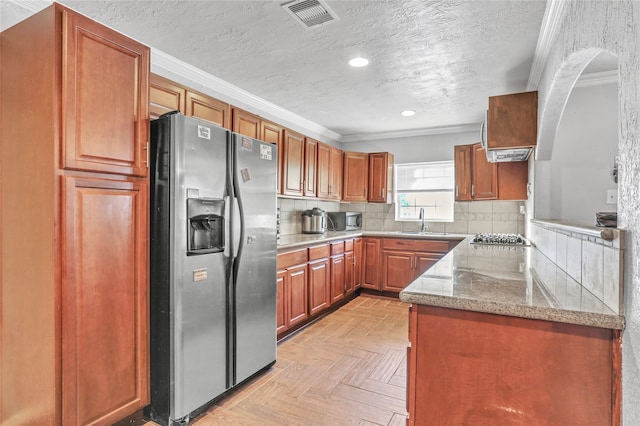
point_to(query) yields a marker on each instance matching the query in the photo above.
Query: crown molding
(163, 63)
(553, 17)
(428, 131)
(597, 78)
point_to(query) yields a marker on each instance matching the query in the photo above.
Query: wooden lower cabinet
(358, 257)
(104, 320)
(319, 286)
(281, 315)
(337, 278)
(296, 295)
(485, 369)
(349, 273)
(398, 270)
(371, 264)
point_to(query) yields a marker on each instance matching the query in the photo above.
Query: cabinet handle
(146, 148)
(382, 192)
(473, 190)
(456, 190)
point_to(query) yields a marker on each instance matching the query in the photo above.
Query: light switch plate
(612, 196)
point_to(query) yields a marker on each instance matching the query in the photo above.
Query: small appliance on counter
(607, 219)
(345, 221)
(314, 221)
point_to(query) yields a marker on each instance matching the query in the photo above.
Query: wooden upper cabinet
(105, 98)
(165, 96)
(462, 164)
(292, 163)
(335, 173)
(329, 172)
(324, 176)
(355, 176)
(105, 314)
(207, 108)
(310, 166)
(484, 181)
(274, 134)
(477, 179)
(246, 123)
(512, 120)
(380, 177)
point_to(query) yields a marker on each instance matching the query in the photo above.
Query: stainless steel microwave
(344, 221)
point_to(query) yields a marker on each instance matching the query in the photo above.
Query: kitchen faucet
(423, 228)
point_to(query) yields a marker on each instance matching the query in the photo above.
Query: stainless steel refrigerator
(213, 264)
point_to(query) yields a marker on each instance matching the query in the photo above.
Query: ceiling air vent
(310, 13)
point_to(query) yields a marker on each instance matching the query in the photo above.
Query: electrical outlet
(522, 210)
(612, 196)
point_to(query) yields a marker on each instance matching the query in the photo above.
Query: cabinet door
(208, 108)
(297, 294)
(319, 286)
(310, 166)
(337, 278)
(424, 261)
(292, 163)
(356, 176)
(324, 171)
(165, 96)
(349, 273)
(104, 300)
(281, 306)
(371, 264)
(513, 120)
(484, 176)
(273, 133)
(462, 164)
(245, 123)
(105, 99)
(357, 261)
(380, 177)
(335, 170)
(399, 270)
(512, 180)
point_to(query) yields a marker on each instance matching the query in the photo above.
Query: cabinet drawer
(337, 248)
(290, 258)
(434, 246)
(348, 245)
(318, 252)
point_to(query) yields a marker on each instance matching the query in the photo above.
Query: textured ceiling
(440, 58)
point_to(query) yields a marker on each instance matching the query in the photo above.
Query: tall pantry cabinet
(74, 189)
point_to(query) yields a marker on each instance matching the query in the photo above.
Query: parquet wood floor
(349, 368)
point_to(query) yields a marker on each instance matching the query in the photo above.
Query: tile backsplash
(469, 217)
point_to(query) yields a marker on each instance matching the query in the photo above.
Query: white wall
(587, 29)
(417, 149)
(574, 183)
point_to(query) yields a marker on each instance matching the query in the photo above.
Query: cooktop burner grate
(500, 239)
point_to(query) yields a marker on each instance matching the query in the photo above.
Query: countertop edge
(311, 239)
(592, 319)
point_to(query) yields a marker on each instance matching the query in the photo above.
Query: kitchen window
(429, 186)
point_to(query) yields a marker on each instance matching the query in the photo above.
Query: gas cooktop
(500, 239)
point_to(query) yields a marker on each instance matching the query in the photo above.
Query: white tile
(505, 206)
(300, 204)
(592, 268)
(373, 224)
(505, 227)
(374, 208)
(574, 258)
(561, 251)
(478, 226)
(612, 279)
(287, 204)
(461, 207)
(480, 207)
(457, 227)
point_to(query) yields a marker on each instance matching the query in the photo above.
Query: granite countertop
(301, 240)
(506, 281)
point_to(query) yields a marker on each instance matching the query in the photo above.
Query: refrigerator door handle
(238, 231)
(227, 228)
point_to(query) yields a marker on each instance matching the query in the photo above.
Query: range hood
(505, 155)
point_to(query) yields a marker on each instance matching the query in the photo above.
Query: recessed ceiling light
(359, 62)
(408, 113)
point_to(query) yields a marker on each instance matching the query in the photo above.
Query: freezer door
(199, 292)
(255, 266)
